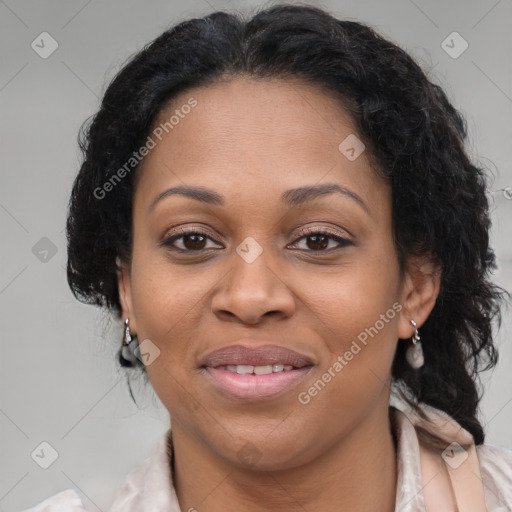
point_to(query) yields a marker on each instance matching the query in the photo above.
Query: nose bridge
(253, 287)
(252, 273)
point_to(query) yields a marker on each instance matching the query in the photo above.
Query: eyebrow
(292, 197)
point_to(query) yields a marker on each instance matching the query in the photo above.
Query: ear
(125, 294)
(419, 292)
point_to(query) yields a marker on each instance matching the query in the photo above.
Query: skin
(250, 140)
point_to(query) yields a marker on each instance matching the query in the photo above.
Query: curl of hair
(413, 134)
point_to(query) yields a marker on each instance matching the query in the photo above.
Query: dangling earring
(414, 354)
(127, 338)
(126, 349)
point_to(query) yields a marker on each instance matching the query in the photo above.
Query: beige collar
(443, 474)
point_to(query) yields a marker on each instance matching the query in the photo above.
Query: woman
(282, 215)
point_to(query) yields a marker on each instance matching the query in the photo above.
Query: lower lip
(255, 387)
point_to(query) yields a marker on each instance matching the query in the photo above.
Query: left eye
(320, 240)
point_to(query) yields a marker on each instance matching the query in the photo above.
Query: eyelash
(168, 242)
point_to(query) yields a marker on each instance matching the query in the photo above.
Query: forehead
(257, 134)
(242, 112)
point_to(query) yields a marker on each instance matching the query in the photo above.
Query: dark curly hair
(415, 139)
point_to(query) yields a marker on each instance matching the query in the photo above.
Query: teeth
(263, 370)
(246, 369)
(243, 369)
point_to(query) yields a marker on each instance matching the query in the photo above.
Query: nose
(252, 291)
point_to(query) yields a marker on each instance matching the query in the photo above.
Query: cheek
(353, 298)
(360, 333)
(169, 302)
(356, 310)
(165, 297)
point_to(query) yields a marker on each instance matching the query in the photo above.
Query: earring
(414, 354)
(127, 338)
(126, 354)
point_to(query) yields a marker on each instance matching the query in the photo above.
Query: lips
(263, 355)
(253, 373)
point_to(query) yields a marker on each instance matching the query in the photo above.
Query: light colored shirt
(149, 486)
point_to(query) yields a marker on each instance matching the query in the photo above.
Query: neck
(357, 473)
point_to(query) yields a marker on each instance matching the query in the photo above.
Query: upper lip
(255, 355)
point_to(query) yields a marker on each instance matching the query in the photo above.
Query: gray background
(60, 383)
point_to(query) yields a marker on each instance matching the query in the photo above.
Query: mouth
(255, 373)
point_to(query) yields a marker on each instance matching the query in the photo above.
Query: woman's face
(274, 261)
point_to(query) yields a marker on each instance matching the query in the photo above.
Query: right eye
(191, 240)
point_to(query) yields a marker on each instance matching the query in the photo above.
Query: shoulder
(436, 430)
(496, 470)
(495, 459)
(64, 501)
